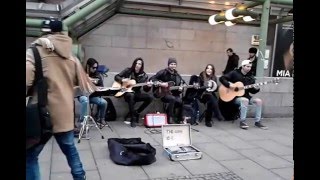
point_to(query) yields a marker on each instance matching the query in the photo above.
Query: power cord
(152, 131)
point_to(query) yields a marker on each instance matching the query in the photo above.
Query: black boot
(136, 116)
(133, 122)
(208, 124)
(208, 119)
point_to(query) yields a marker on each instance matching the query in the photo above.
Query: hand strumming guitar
(149, 84)
(232, 86)
(125, 80)
(164, 84)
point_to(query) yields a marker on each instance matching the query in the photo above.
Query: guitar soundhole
(236, 89)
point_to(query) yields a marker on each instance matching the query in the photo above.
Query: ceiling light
(247, 18)
(212, 21)
(227, 3)
(229, 23)
(229, 14)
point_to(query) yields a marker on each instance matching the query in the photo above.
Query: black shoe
(208, 124)
(133, 124)
(137, 115)
(220, 118)
(259, 125)
(243, 125)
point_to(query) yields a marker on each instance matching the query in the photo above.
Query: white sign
(176, 136)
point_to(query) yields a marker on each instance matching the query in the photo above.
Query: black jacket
(165, 75)
(97, 76)
(236, 76)
(233, 62)
(139, 78)
(254, 66)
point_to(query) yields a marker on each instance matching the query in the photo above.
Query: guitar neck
(184, 86)
(257, 84)
(140, 84)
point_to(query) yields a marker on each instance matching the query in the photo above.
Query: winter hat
(52, 25)
(253, 50)
(172, 60)
(245, 62)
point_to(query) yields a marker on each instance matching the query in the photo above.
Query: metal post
(282, 2)
(84, 12)
(263, 37)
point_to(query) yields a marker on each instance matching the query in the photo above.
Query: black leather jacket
(139, 78)
(165, 75)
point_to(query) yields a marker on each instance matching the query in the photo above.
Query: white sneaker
(127, 122)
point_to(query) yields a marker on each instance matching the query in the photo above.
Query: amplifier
(155, 119)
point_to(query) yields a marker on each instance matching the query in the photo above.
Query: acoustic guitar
(127, 86)
(228, 94)
(162, 91)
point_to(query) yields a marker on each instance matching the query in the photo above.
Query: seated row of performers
(173, 100)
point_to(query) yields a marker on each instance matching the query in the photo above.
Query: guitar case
(229, 110)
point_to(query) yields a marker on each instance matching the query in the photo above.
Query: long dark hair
(206, 77)
(90, 63)
(134, 65)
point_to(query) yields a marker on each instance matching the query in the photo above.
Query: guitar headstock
(196, 85)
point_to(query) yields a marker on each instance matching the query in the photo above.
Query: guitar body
(124, 87)
(228, 94)
(162, 91)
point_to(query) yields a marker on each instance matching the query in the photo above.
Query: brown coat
(62, 74)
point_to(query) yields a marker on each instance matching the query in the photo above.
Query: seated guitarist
(209, 98)
(96, 78)
(135, 72)
(241, 75)
(174, 96)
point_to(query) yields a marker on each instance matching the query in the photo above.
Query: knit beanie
(172, 60)
(52, 25)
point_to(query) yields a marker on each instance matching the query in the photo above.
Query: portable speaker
(155, 120)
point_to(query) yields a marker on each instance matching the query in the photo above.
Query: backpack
(229, 110)
(38, 121)
(189, 113)
(131, 151)
(111, 113)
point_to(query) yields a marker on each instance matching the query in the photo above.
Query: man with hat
(253, 59)
(63, 72)
(242, 74)
(173, 97)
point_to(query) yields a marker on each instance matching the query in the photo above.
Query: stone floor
(228, 153)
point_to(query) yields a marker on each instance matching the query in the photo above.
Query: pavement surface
(229, 153)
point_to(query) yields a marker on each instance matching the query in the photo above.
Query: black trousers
(132, 98)
(212, 106)
(174, 102)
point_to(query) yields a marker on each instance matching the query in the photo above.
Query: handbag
(38, 122)
(131, 151)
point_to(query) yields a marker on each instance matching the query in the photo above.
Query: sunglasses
(94, 67)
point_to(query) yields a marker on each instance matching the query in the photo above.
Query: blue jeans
(244, 102)
(65, 141)
(102, 106)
